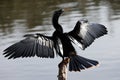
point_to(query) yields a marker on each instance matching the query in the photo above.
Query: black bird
(83, 34)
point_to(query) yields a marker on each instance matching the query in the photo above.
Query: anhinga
(83, 34)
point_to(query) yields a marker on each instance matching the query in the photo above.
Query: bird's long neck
(56, 25)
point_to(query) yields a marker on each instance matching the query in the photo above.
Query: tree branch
(62, 74)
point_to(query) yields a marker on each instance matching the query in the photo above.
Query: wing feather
(89, 32)
(33, 45)
(85, 33)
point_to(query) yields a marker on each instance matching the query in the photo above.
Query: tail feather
(78, 63)
(74, 65)
(93, 62)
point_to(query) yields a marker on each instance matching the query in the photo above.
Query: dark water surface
(19, 17)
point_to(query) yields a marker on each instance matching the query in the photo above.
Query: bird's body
(59, 43)
(67, 45)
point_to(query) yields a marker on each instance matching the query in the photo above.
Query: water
(19, 17)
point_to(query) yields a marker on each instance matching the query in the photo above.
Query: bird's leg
(62, 75)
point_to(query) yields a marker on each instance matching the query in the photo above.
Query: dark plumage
(60, 43)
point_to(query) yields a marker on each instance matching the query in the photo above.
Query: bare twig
(62, 74)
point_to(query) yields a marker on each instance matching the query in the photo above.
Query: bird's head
(58, 12)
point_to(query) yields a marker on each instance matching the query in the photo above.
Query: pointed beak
(67, 9)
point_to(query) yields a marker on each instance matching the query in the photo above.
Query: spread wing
(85, 33)
(33, 45)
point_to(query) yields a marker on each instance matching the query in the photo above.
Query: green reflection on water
(34, 12)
